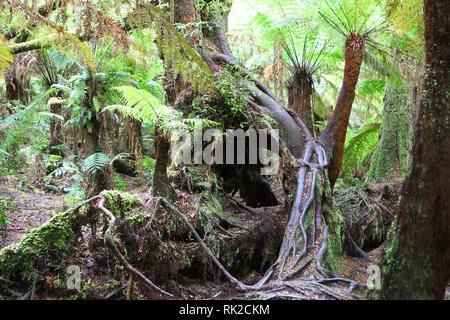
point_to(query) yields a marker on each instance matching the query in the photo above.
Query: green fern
(359, 147)
(5, 57)
(98, 161)
(179, 53)
(145, 107)
(95, 162)
(142, 105)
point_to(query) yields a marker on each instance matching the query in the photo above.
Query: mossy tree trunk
(102, 179)
(417, 262)
(56, 137)
(134, 145)
(392, 154)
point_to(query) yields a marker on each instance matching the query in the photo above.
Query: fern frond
(375, 63)
(141, 105)
(179, 53)
(5, 57)
(372, 86)
(359, 147)
(95, 162)
(321, 108)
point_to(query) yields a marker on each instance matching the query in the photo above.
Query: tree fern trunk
(55, 128)
(333, 137)
(161, 185)
(101, 180)
(300, 90)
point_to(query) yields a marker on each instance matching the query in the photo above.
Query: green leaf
(141, 105)
(95, 162)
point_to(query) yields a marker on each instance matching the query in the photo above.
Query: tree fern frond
(320, 106)
(5, 57)
(179, 53)
(95, 162)
(375, 64)
(51, 115)
(359, 147)
(372, 86)
(141, 105)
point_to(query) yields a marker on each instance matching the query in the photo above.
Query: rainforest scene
(251, 150)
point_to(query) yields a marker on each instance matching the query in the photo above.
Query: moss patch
(395, 135)
(55, 236)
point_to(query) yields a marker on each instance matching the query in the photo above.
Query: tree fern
(359, 147)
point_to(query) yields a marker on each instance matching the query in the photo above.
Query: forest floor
(33, 206)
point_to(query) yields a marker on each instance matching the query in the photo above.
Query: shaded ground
(31, 208)
(100, 280)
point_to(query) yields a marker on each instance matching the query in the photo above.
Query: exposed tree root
(366, 217)
(110, 242)
(299, 246)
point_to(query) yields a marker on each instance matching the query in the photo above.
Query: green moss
(119, 203)
(336, 225)
(56, 235)
(395, 135)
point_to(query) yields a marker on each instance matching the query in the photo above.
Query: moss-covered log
(53, 237)
(58, 237)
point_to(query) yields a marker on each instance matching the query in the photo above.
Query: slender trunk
(417, 262)
(333, 137)
(55, 127)
(134, 133)
(102, 179)
(161, 186)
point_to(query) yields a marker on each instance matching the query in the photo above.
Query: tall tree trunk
(417, 262)
(134, 133)
(333, 137)
(102, 179)
(392, 155)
